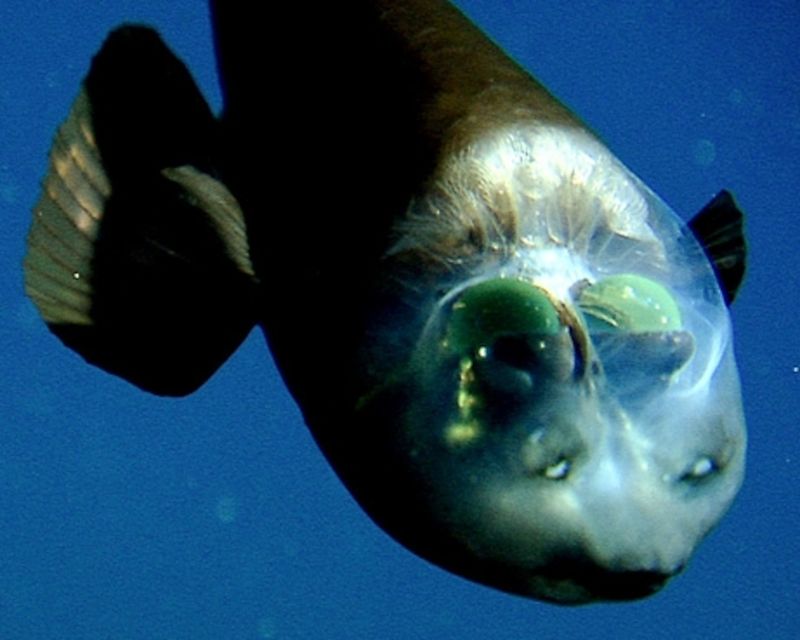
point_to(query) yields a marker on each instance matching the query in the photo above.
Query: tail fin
(137, 255)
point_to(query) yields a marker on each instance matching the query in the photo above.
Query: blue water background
(129, 517)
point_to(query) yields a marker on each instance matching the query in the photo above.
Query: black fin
(137, 255)
(719, 226)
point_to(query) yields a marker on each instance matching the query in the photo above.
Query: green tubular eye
(499, 307)
(630, 303)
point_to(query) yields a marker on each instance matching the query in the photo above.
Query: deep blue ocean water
(129, 517)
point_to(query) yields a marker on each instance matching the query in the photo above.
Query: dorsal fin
(719, 226)
(137, 254)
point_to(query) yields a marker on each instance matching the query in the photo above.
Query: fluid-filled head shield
(566, 421)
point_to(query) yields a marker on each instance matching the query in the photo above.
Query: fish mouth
(573, 582)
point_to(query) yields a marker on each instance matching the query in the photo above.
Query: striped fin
(138, 257)
(66, 220)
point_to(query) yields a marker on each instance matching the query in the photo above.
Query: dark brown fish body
(512, 352)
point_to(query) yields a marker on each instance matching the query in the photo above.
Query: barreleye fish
(515, 355)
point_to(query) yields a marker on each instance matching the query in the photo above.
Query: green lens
(631, 303)
(499, 307)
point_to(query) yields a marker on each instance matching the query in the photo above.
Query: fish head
(568, 424)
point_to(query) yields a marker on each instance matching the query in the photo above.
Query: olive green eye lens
(499, 307)
(627, 302)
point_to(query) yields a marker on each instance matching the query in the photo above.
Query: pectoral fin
(137, 254)
(719, 228)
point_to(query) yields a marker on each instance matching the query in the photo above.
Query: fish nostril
(546, 463)
(558, 471)
(554, 452)
(702, 469)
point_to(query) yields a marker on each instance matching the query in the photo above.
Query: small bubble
(736, 96)
(704, 152)
(796, 369)
(50, 79)
(266, 629)
(9, 188)
(9, 192)
(226, 509)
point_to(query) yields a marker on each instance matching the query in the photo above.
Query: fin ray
(137, 254)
